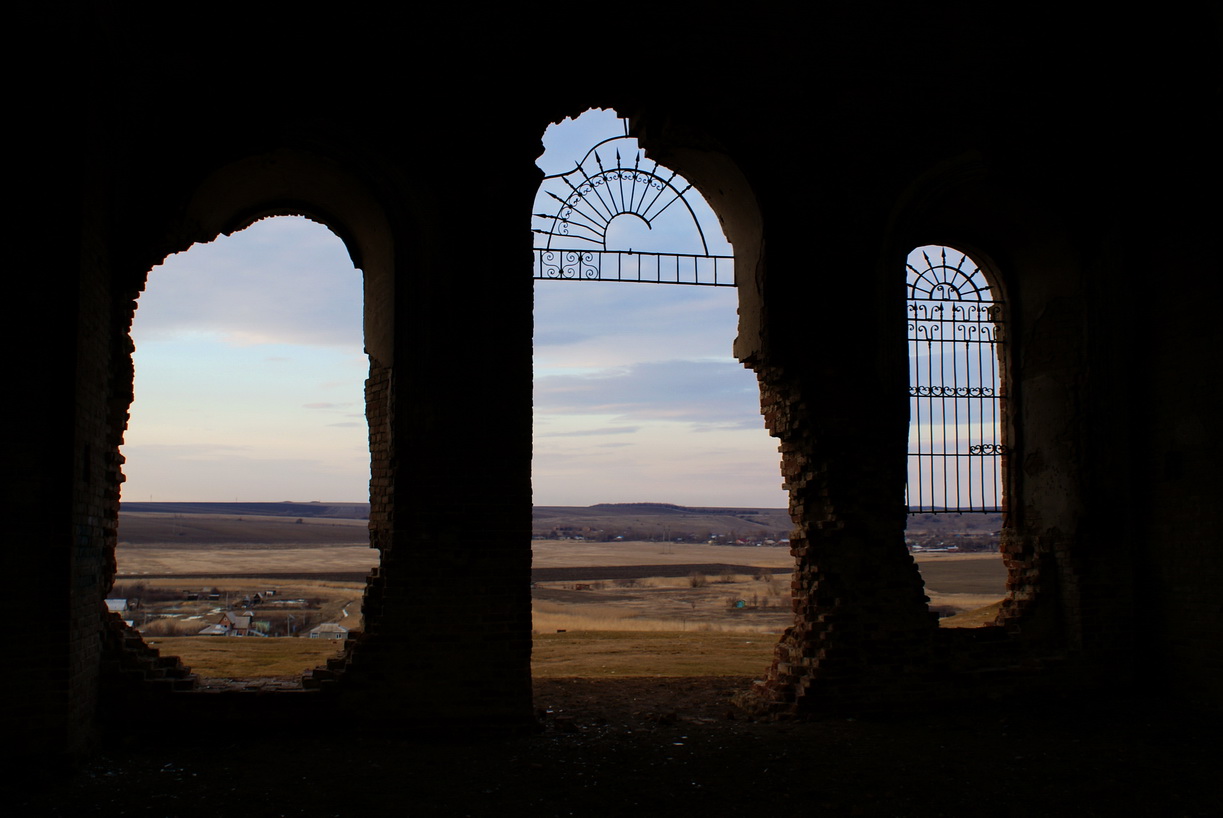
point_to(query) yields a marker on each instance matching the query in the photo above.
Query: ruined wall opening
(658, 506)
(281, 182)
(957, 489)
(243, 542)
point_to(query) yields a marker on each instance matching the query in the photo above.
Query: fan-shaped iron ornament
(572, 240)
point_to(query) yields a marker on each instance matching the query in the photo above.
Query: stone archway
(231, 199)
(297, 183)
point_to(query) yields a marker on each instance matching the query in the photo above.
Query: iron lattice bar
(955, 389)
(641, 268)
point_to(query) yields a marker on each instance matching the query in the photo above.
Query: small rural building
(329, 630)
(237, 624)
(123, 607)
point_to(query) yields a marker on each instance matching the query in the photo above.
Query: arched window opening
(957, 392)
(243, 541)
(651, 461)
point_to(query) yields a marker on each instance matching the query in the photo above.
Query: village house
(231, 624)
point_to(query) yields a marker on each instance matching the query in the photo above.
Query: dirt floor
(673, 747)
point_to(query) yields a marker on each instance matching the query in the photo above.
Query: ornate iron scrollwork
(987, 449)
(567, 264)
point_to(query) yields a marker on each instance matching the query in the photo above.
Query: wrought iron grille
(955, 385)
(572, 240)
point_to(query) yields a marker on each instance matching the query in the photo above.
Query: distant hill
(342, 511)
(603, 521)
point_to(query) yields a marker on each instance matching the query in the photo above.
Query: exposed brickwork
(103, 383)
(378, 411)
(862, 630)
(132, 671)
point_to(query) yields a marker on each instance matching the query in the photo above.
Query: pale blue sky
(250, 370)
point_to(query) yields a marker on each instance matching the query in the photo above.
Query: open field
(617, 594)
(171, 529)
(963, 583)
(600, 608)
(349, 562)
(646, 581)
(218, 657)
(646, 653)
(587, 654)
(573, 554)
(660, 521)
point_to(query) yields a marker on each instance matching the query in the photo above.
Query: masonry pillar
(448, 616)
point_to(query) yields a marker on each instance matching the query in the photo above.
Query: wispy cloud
(286, 281)
(712, 394)
(601, 431)
(560, 338)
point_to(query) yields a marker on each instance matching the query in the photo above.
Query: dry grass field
(169, 529)
(600, 608)
(348, 561)
(661, 521)
(602, 653)
(627, 586)
(556, 655)
(218, 657)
